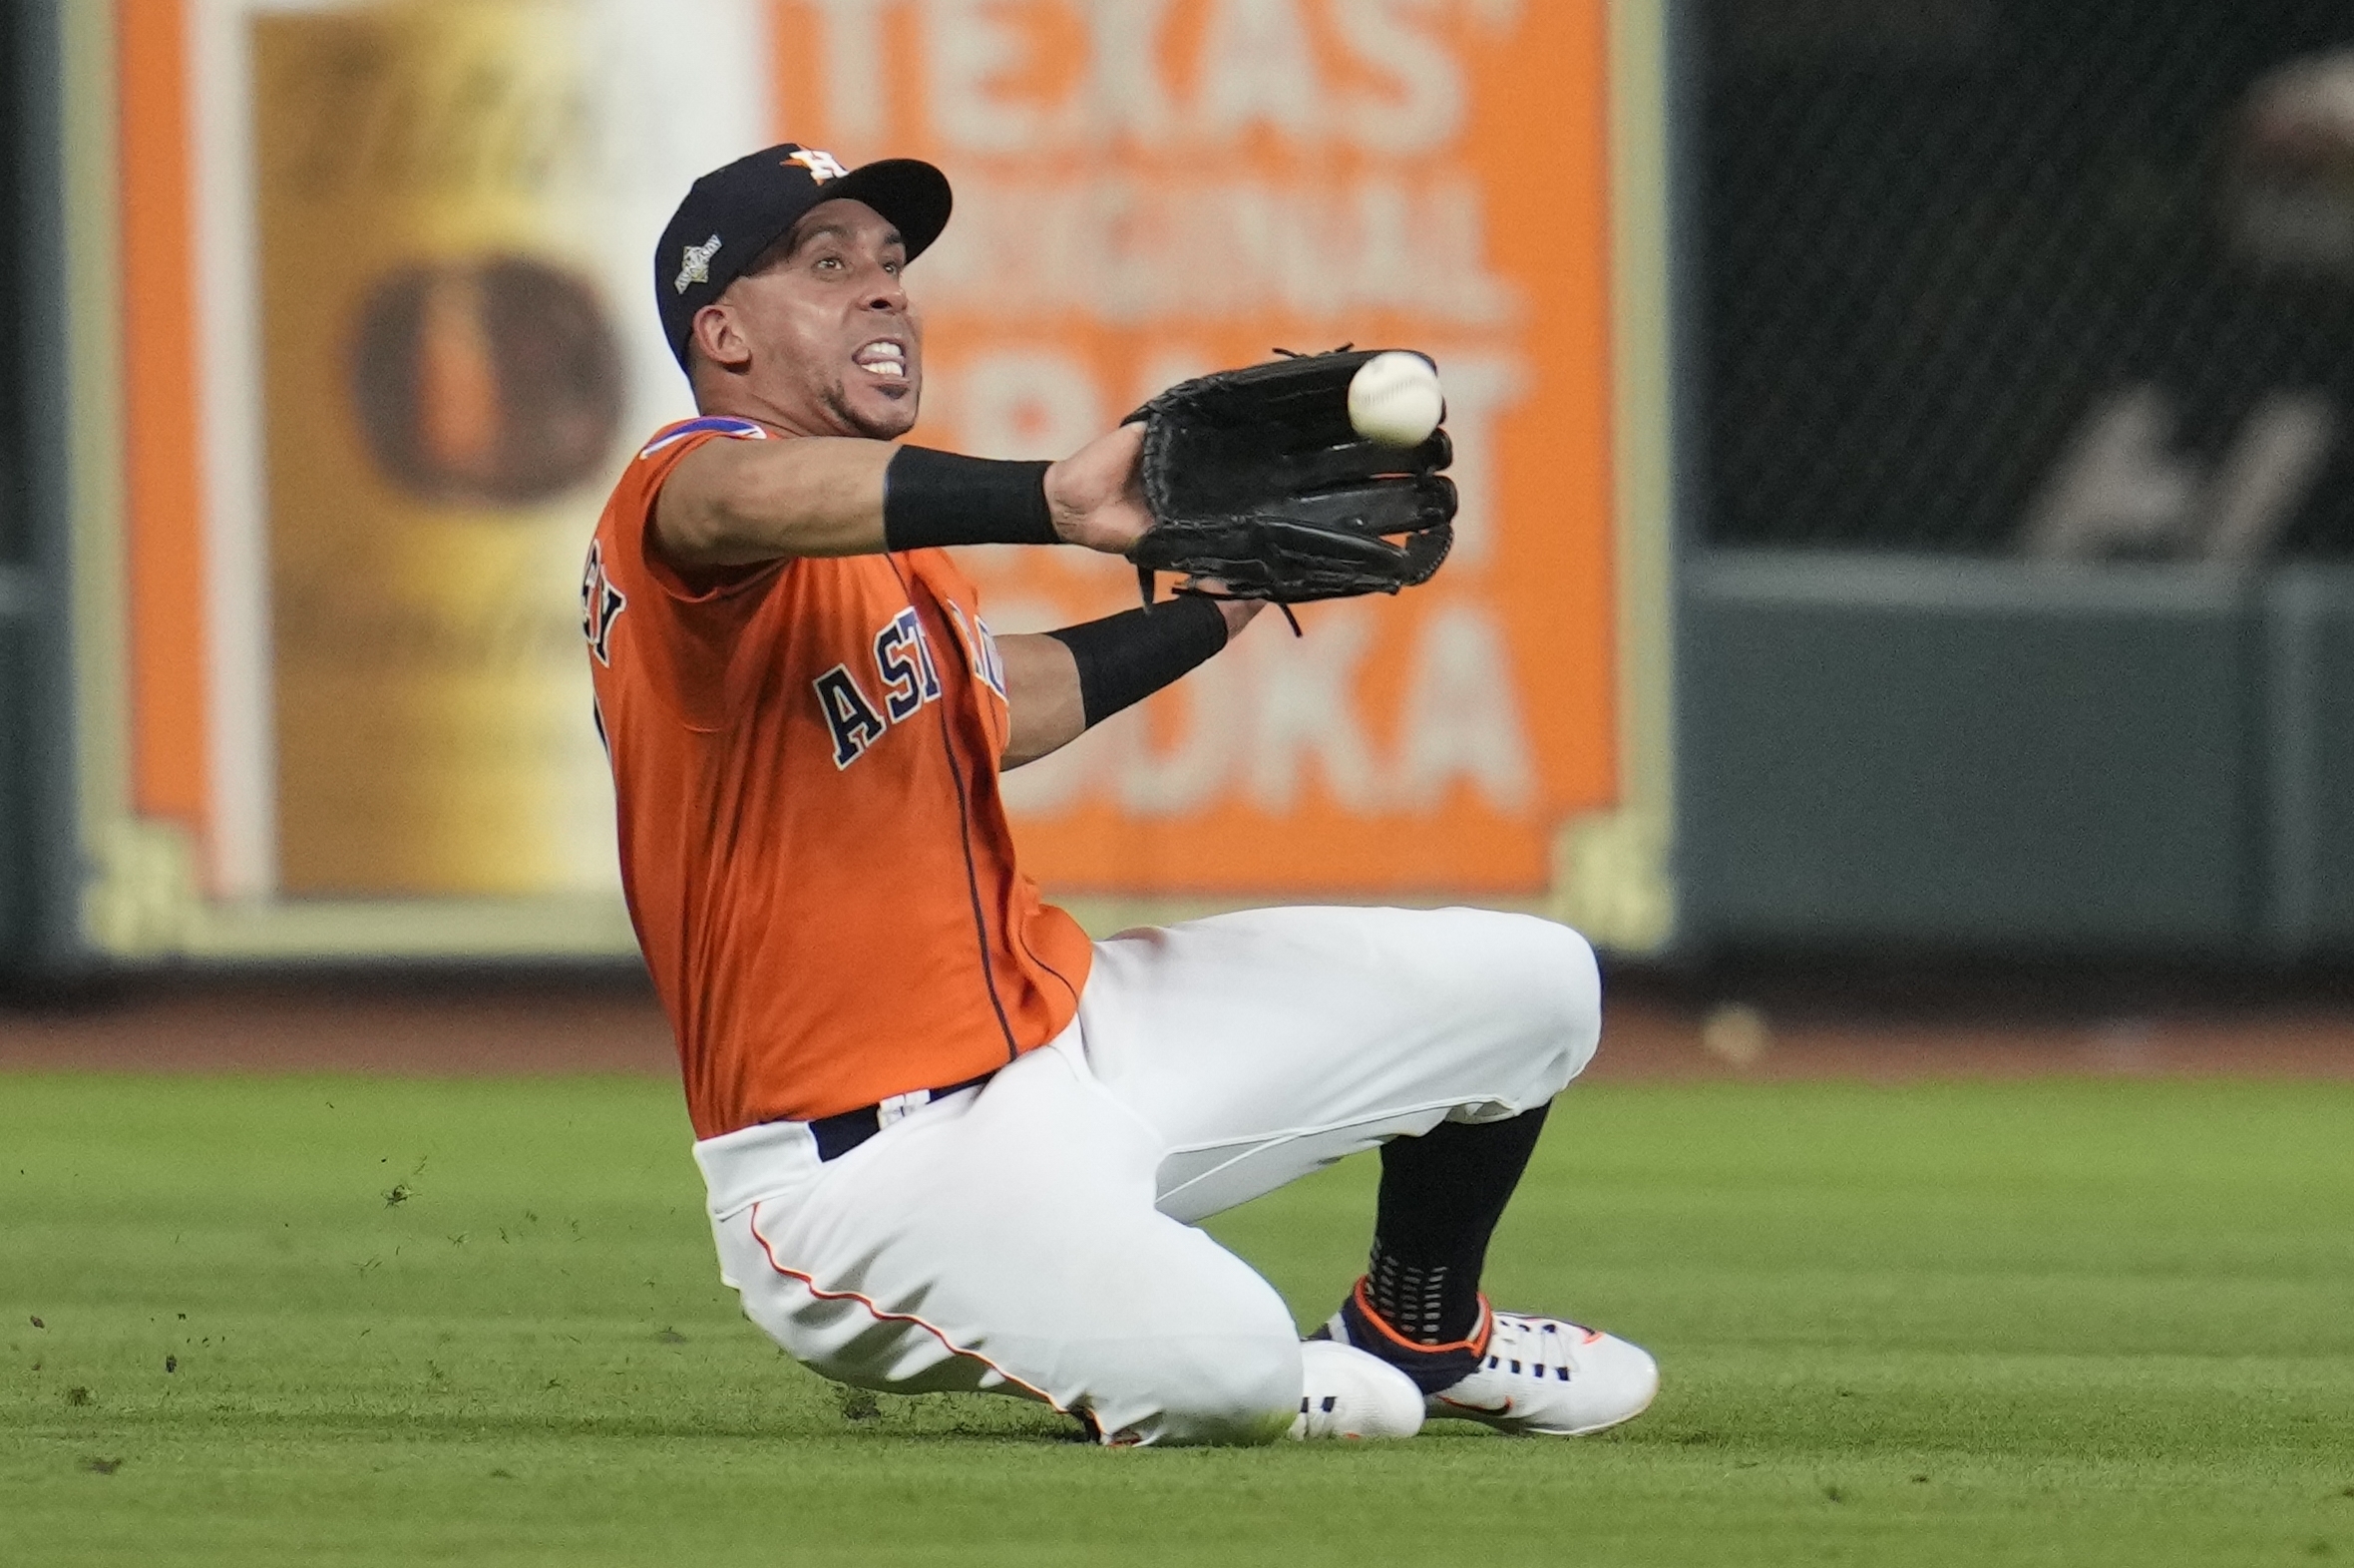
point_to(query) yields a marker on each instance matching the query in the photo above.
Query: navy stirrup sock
(1419, 1305)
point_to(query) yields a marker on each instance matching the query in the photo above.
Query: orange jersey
(813, 841)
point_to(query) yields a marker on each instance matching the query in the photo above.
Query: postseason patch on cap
(696, 268)
(718, 424)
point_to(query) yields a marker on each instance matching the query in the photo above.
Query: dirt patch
(450, 1027)
(472, 1025)
(1647, 1036)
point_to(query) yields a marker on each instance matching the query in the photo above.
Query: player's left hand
(1096, 495)
(1238, 613)
(1261, 479)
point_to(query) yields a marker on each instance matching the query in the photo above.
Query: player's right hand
(1096, 495)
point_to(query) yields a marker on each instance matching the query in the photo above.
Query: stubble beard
(838, 405)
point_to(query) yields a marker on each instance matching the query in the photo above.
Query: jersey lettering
(909, 679)
(980, 650)
(849, 717)
(992, 663)
(923, 661)
(903, 665)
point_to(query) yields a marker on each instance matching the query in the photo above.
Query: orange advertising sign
(1152, 189)
(370, 303)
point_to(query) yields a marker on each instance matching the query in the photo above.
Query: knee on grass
(1245, 1393)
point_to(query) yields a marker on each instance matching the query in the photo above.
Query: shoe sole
(1503, 1421)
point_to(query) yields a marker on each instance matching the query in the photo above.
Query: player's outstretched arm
(734, 503)
(1058, 684)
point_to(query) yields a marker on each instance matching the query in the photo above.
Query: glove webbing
(1147, 583)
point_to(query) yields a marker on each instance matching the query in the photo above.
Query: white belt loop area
(891, 1107)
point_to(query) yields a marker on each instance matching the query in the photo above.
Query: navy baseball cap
(735, 213)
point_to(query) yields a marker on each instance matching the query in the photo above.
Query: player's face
(835, 346)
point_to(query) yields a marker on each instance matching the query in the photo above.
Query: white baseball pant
(1035, 1236)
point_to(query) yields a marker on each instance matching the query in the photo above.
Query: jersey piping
(981, 923)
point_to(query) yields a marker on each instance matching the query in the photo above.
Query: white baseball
(1394, 399)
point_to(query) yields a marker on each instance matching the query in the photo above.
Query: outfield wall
(2015, 583)
(42, 870)
(331, 478)
(1904, 447)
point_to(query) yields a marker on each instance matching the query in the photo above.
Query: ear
(718, 339)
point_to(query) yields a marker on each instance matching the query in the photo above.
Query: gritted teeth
(883, 357)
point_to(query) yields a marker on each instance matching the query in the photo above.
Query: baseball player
(949, 1142)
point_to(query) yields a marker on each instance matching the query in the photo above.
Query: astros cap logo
(822, 167)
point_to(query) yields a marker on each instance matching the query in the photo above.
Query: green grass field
(357, 1321)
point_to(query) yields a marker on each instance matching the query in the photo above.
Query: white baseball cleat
(1345, 1393)
(1543, 1375)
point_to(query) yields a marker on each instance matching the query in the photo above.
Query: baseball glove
(1260, 489)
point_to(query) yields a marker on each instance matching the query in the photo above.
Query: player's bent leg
(1006, 1241)
(1263, 1044)
(1215, 1383)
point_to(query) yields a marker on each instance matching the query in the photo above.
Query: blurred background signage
(381, 307)
(2008, 589)
(1149, 190)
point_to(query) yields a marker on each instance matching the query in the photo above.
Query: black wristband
(938, 497)
(1126, 657)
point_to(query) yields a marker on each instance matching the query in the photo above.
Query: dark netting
(13, 232)
(2039, 276)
